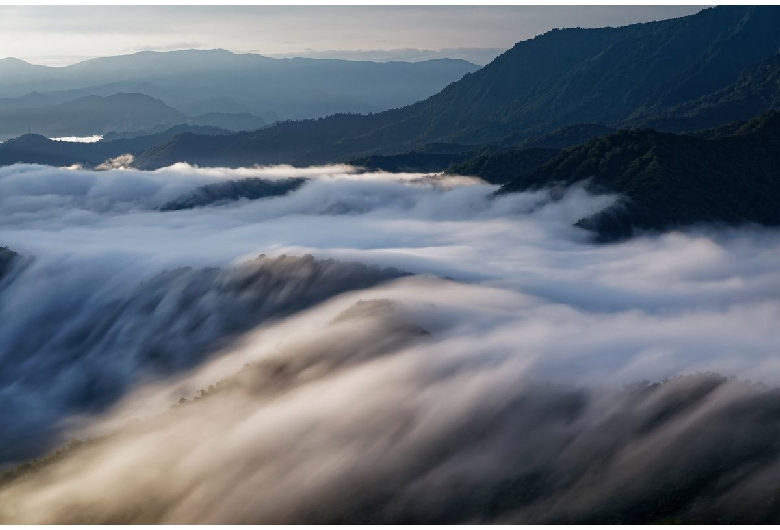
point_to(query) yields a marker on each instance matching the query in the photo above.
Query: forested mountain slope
(668, 180)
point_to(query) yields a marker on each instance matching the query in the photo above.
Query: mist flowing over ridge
(492, 336)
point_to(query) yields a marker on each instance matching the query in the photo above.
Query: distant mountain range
(683, 72)
(117, 114)
(677, 116)
(206, 81)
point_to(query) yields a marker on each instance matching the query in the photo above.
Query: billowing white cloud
(491, 396)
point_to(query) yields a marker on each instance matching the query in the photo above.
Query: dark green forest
(668, 180)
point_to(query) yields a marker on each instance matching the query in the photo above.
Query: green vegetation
(490, 161)
(505, 166)
(756, 92)
(412, 162)
(711, 470)
(7, 257)
(37, 465)
(563, 137)
(233, 190)
(669, 180)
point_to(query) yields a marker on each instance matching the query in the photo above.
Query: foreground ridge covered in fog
(165, 324)
(697, 448)
(410, 348)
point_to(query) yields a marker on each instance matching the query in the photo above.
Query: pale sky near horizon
(60, 35)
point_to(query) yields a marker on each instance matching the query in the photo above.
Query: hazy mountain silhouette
(118, 113)
(607, 76)
(234, 121)
(22, 72)
(90, 115)
(29, 100)
(224, 105)
(291, 88)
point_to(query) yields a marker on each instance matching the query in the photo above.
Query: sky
(61, 35)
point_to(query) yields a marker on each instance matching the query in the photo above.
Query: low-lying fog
(463, 357)
(79, 139)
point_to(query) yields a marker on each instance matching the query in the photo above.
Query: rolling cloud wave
(500, 383)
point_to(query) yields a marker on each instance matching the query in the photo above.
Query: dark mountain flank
(755, 92)
(7, 259)
(233, 190)
(411, 162)
(505, 166)
(612, 77)
(488, 161)
(563, 137)
(37, 149)
(669, 180)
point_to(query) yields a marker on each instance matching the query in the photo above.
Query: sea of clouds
(409, 348)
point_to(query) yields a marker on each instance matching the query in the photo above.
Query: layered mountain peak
(608, 77)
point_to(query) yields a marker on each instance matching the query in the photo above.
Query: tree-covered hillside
(756, 92)
(7, 257)
(605, 76)
(668, 180)
(505, 166)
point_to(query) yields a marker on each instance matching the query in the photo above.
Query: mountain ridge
(298, 88)
(667, 180)
(606, 76)
(90, 115)
(38, 149)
